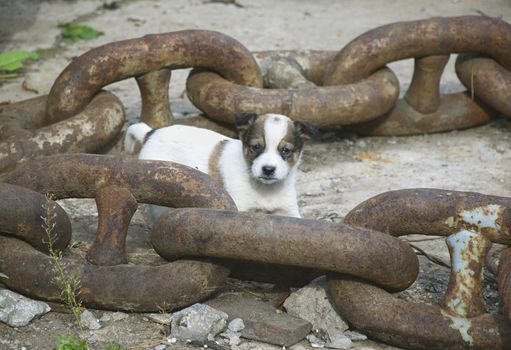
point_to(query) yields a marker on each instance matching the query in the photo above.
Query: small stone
(315, 341)
(355, 336)
(160, 347)
(88, 320)
(261, 321)
(197, 323)
(164, 319)
(236, 325)
(339, 341)
(311, 303)
(172, 340)
(17, 310)
(113, 316)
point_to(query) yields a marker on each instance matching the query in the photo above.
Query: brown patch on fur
(214, 160)
(253, 135)
(137, 148)
(293, 141)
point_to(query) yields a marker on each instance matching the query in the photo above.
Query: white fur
(135, 134)
(275, 128)
(193, 147)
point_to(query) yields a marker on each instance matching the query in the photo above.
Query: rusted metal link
(21, 215)
(430, 37)
(456, 111)
(504, 278)
(423, 95)
(87, 74)
(117, 183)
(284, 240)
(423, 110)
(486, 79)
(154, 92)
(323, 107)
(109, 247)
(149, 181)
(309, 63)
(411, 325)
(88, 131)
(472, 221)
(435, 212)
(139, 288)
(464, 296)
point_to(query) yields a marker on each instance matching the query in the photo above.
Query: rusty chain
(352, 87)
(117, 184)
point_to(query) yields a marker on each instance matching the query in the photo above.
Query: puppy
(258, 170)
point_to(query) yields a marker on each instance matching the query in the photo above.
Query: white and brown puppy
(258, 170)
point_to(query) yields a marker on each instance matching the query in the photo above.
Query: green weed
(75, 32)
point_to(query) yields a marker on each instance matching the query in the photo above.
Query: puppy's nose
(268, 170)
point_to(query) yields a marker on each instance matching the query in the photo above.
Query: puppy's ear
(305, 130)
(244, 120)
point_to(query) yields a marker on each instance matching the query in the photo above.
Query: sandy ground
(337, 172)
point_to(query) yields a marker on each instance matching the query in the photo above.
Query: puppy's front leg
(293, 211)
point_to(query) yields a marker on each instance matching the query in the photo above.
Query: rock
(160, 347)
(113, 316)
(339, 341)
(315, 341)
(355, 336)
(311, 303)
(164, 319)
(233, 333)
(198, 322)
(17, 310)
(236, 325)
(262, 321)
(88, 320)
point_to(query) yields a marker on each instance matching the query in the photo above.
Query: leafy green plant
(114, 346)
(71, 343)
(75, 32)
(11, 61)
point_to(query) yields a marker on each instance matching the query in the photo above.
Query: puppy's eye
(285, 152)
(256, 148)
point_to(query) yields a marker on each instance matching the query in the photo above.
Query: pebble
(17, 310)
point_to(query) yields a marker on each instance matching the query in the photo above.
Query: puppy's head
(272, 144)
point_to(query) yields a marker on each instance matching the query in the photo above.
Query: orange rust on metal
(153, 182)
(504, 280)
(116, 206)
(381, 258)
(88, 131)
(27, 114)
(423, 95)
(435, 36)
(87, 74)
(321, 106)
(154, 91)
(464, 297)
(476, 219)
(112, 179)
(312, 63)
(139, 288)
(21, 215)
(487, 80)
(432, 212)
(201, 121)
(410, 325)
(456, 111)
